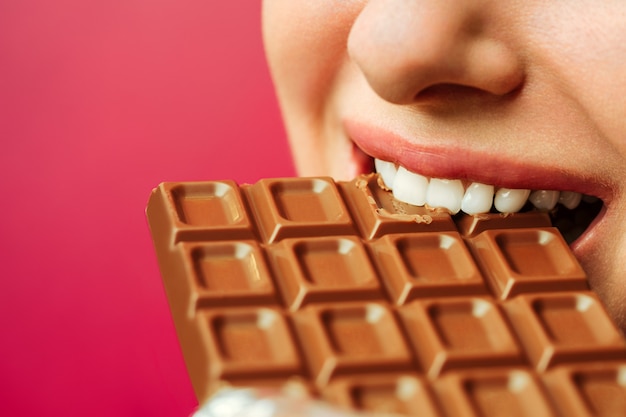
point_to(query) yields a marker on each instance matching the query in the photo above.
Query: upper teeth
(475, 198)
(510, 201)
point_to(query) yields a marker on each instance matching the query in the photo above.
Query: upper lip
(451, 162)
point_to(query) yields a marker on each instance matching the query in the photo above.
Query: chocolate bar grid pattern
(382, 306)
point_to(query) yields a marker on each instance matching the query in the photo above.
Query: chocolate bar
(378, 305)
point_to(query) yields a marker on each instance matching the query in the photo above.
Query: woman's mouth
(475, 182)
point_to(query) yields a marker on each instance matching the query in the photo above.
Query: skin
(516, 93)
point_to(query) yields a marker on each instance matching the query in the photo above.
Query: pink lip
(467, 164)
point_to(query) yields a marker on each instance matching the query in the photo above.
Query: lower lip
(582, 246)
(363, 162)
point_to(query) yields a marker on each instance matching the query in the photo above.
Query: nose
(406, 47)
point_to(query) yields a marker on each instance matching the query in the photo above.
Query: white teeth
(387, 171)
(570, 199)
(445, 193)
(409, 187)
(544, 199)
(478, 198)
(510, 201)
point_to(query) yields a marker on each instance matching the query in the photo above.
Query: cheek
(585, 48)
(306, 44)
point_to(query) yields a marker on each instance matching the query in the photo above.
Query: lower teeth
(572, 223)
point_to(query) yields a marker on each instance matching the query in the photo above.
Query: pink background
(99, 102)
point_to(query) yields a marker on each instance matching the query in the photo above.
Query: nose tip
(405, 48)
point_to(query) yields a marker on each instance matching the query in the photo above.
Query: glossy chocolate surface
(381, 306)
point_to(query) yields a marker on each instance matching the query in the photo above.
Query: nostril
(449, 95)
(448, 92)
